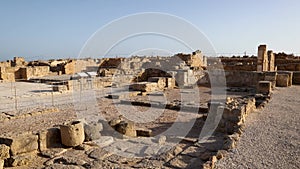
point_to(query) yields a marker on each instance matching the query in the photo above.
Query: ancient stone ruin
(133, 112)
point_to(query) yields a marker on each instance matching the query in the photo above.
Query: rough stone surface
(264, 87)
(72, 134)
(104, 141)
(162, 140)
(282, 80)
(20, 160)
(296, 77)
(99, 154)
(126, 128)
(62, 166)
(4, 152)
(1, 164)
(92, 131)
(50, 138)
(21, 143)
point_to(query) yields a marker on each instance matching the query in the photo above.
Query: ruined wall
(296, 77)
(111, 62)
(242, 64)
(7, 74)
(81, 65)
(236, 78)
(288, 64)
(271, 58)
(5, 64)
(148, 73)
(234, 114)
(38, 71)
(18, 62)
(262, 58)
(194, 60)
(26, 73)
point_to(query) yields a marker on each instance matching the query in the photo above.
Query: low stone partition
(234, 114)
(220, 77)
(59, 88)
(50, 138)
(284, 79)
(296, 77)
(144, 86)
(172, 105)
(271, 77)
(17, 150)
(264, 87)
(163, 82)
(25, 113)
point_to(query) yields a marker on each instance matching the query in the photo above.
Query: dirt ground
(93, 105)
(271, 138)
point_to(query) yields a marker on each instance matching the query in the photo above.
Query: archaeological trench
(182, 111)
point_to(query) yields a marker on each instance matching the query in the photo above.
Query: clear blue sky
(59, 28)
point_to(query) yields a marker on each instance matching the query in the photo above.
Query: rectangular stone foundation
(282, 80)
(144, 86)
(21, 143)
(290, 77)
(296, 78)
(264, 87)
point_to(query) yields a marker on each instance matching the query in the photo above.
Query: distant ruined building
(265, 59)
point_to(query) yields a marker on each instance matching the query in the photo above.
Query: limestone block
(264, 87)
(144, 86)
(4, 152)
(24, 143)
(270, 76)
(92, 131)
(171, 83)
(72, 134)
(141, 132)
(20, 160)
(126, 128)
(49, 139)
(297, 67)
(296, 77)
(282, 80)
(227, 113)
(1, 164)
(60, 88)
(162, 140)
(290, 76)
(161, 81)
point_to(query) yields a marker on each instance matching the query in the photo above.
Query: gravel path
(271, 139)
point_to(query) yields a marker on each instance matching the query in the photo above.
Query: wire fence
(22, 95)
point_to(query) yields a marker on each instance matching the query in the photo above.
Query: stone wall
(7, 74)
(242, 64)
(80, 65)
(296, 77)
(19, 62)
(234, 114)
(288, 64)
(262, 58)
(5, 64)
(26, 73)
(196, 60)
(236, 78)
(85, 84)
(271, 58)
